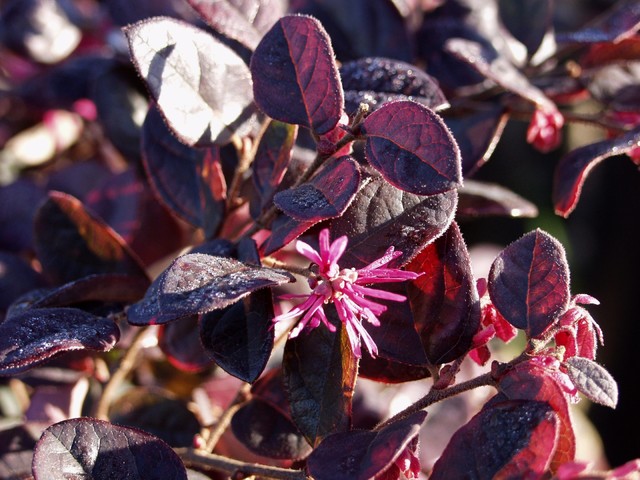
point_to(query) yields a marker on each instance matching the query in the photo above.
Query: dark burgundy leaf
(127, 204)
(266, 431)
(71, 243)
(200, 283)
(533, 380)
(242, 20)
(382, 216)
(616, 85)
(158, 413)
(512, 439)
(147, 311)
(18, 205)
(284, 230)
(202, 87)
(376, 80)
(602, 54)
(529, 282)
(620, 22)
(107, 287)
(477, 135)
(529, 21)
(593, 381)
(270, 163)
(396, 337)
(444, 299)
(326, 195)
(32, 336)
(16, 278)
(88, 447)
(78, 179)
(240, 337)
(362, 455)
(39, 29)
(120, 100)
(482, 199)
(320, 373)
(573, 168)
(387, 371)
(381, 31)
(180, 342)
(295, 77)
(188, 180)
(499, 69)
(412, 148)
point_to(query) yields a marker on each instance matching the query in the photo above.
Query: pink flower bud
(545, 129)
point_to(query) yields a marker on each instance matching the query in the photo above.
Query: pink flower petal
(309, 252)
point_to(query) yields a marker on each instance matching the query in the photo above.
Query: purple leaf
(620, 22)
(326, 195)
(444, 299)
(376, 80)
(498, 69)
(266, 431)
(187, 180)
(180, 342)
(361, 454)
(603, 54)
(382, 216)
(88, 447)
(482, 199)
(477, 135)
(284, 230)
(320, 372)
(381, 29)
(412, 148)
(242, 20)
(30, 337)
(202, 87)
(529, 21)
(531, 380)
(240, 337)
(295, 77)
(71, 243)
(529, 282)
(16, 452)
(199, 283)
(574, 167)
(107, 287)
(270, 164)
(387, 371)
(16, 278)
(509, 439)
(593, 381)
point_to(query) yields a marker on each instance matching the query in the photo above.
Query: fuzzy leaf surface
(84, 447)
(202, 87)
(326, 195)
(593, 381)
(200, 283)
(510, 439)
(361, 454)
(574, 167)
(376, 80)
(412, 148)
(320, 373)
(240, 337)
(382, 215)
(187, 180)
(529, 282)
(295, 77)
(444, 299)
(32, 336)
(242, 20)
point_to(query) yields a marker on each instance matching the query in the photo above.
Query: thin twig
(275, 263)
(235, 468)
(216, 430)
(121, 373)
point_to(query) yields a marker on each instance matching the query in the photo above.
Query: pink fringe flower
(346, 289)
